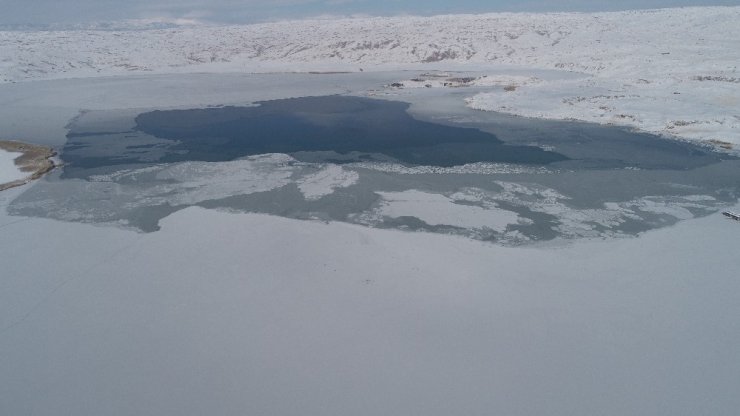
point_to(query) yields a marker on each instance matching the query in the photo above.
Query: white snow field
(669, 71)
(225, 313)
(9, 172)
(235, 314)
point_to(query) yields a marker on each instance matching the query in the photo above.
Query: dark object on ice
(731, 215)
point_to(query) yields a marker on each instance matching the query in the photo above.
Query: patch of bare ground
(721, 143)
(36, 160)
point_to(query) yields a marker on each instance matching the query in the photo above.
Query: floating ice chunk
(324, 182)
(437, 209)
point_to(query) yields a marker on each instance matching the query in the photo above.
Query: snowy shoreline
(692, 114)
(671, 72)
(21, 163)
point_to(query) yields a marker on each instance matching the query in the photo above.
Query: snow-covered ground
(235, 314)
(670, 71)
(9, 172)
(697, 41)
(685, 107)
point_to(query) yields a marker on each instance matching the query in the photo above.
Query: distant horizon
(81, 12)
(175, 21)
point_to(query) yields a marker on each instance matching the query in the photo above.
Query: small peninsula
(33, 160)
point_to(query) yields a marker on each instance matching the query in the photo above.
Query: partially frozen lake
(214, 310)
(376, 162)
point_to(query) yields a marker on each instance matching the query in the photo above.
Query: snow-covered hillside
(670, 71)
(696, 41)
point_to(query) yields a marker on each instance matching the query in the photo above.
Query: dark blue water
(339, 124)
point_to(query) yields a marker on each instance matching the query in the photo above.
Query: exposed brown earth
(36, 160)
(722, 144)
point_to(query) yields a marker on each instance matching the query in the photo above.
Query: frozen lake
(141, 279)
(383, 163)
